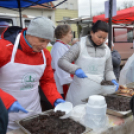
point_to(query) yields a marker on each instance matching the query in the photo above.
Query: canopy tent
(19, 4)
(125, 16)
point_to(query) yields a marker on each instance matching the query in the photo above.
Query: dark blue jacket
(3, 118)
(116, 59)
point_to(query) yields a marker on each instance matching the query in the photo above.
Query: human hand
(75, 40)
(80, 73)
(58, 101)
(16, 107)
(116, 84)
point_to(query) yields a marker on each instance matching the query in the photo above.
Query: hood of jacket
(10, 33)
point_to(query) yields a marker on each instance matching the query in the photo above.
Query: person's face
(37, 44)
(99, 37)
(68, 37)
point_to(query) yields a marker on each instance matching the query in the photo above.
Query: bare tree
(130, 3)
(127, 4)
(118, 8)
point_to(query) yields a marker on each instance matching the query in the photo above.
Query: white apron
(94, 67)
(127, 72)
(61, 77)
(21, 81)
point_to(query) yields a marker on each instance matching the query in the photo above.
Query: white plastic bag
(127, 73)
(77, 112)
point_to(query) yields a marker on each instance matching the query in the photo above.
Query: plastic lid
(96, 100)
(65, 107)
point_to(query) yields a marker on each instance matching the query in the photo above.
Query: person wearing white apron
(94, 70)
(20, 85)
(63, 79)
(127, 72)
(22, 80)
(93, 64)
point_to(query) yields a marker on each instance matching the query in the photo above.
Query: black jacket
(116, 59)
(3, 118)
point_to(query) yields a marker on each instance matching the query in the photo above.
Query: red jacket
(25, 55)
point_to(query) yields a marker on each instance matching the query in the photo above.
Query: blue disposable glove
(16, 107)
(116, 84)
(58, 101)
(80, 73)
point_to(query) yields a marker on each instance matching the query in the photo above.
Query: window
(66, 18)
(9, 21)
(121, 34)
(71, 6)
(4, 23)
(66, 5)
(27, 22)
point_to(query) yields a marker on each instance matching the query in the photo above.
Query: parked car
(123, 41)
(14, 20)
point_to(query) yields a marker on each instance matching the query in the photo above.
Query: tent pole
(20, 13)
(60, 3)
(110, 23)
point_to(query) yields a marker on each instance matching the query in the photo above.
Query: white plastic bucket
(108, 89)
(95, 112)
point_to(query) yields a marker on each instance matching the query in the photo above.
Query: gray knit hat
(41, 27)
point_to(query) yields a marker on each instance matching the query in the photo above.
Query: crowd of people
(69, 73)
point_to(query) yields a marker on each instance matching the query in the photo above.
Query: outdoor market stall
(125, 16)
(117, 125)
(118, 121)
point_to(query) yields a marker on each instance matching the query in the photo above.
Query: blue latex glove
(116, 84)
(58, 101)
(80, 73)
(16, 107)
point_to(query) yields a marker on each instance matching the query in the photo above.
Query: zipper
(95, 51)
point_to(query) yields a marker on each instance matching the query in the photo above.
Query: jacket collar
(89, 43)
(24, 44)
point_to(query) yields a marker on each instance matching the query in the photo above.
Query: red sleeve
(47, 81)
(5, 51)
(7, 99)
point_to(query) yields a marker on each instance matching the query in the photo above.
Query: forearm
(63, 76)
(65, 62)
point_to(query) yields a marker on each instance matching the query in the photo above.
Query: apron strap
(43, 56)
(15, 47)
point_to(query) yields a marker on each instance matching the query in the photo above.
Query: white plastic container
(95, 112)
(95, 122)
(107, 89)
(64, 107)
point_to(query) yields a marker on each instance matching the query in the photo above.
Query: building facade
(34, 11)
(67, 10)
